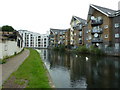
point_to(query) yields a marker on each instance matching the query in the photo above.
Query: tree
(7, 28)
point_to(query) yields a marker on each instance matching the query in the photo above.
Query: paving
(12, 65)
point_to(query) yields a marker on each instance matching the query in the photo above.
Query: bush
(94, 50)
(82, 49)
(61, 48)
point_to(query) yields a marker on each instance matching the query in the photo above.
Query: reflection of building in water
(77, 71)
(98, 73)
(92, 73)
(58, 59)
(44, 54)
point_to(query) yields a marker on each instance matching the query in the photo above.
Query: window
(80, 33)
(89, 37)
(116, 45)
(116, 25)
(117, 35)
(106, 36)
(106, 26)
(86, 31)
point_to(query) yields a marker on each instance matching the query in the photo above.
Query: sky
(41, 15)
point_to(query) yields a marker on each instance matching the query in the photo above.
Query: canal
(69, 70)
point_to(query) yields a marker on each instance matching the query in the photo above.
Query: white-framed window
(89, 30)
(117, 25)
(86, 31)
(106, 26)
(89, 37)
(80, 33)
(80, 38)
(106, 36)
(117, 35)
(117, 45)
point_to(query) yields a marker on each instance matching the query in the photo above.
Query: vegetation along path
(30, 74)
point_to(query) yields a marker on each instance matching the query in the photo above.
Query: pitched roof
(83, 21)
(57, 30)
(108, 12)
(80, 19)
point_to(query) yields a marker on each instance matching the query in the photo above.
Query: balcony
(99, 31)
(97, 40)
(51, 36)
(77, 27)
(97, 21)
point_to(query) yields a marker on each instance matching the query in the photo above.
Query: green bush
(95, 50)
(61, 48)
(82, 49)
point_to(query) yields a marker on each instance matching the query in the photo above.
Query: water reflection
(82, 71)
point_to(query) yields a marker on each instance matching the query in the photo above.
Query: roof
(57, 30)
(83, 21)
(106, 11)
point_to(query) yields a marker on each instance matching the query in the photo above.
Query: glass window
(106, 26)
(117, 35)
(116, 45)
(116, 25)
(106, 36)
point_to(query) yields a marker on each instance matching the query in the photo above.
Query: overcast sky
(41, 15)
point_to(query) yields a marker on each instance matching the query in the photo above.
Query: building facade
(10, 43)
(77, 31)
(99, 26)
(34, 40)
(57, 37)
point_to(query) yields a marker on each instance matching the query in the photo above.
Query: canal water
(69, 70)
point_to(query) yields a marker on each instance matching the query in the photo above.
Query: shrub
(95, 50)
(61, 48)
(82, 49)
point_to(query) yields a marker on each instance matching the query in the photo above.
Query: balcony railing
(99, 31)
(77, 27)
(97, 40)
(51, 36)
(97, 21)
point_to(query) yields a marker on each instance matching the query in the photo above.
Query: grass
(33, 71)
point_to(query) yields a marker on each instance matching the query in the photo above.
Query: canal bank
(48, 74)
(30, 74)
(71, 70)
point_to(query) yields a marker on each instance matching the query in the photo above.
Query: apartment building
(67, 38)
(77, 31)
(116, 31)
(34, 40)
(99, 26)
(57, 37)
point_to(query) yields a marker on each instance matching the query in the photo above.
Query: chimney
(119, 5)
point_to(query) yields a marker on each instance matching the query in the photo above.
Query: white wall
(8, 48)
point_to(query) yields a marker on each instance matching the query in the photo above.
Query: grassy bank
(32, 71)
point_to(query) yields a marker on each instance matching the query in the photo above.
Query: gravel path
(12, 65)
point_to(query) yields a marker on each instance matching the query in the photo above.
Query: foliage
(61, 48)
(91, 50)
(33, 71)
(82, 49)
(95, 50)
(7, 28)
